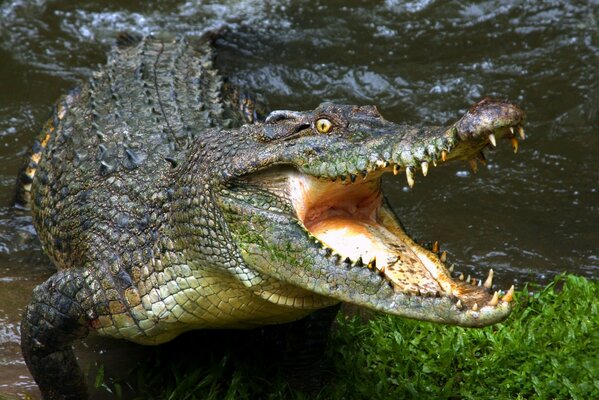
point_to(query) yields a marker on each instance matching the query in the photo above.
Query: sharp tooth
(347, 260)
(473, 165)
(410, 177)
(452, 268)
(385, 164)
(443, 257)
(372, 263)
(461, 276)
(475, 307)
(424, 168)
(443, 155)
(352, 177)
(468, 278)
(434, 163)
(494, 300)
(521, 133)
(436, 247)
(512, 129)
(395, 169)
(515, 145)
(459, 304)
(359, 262)
(489, 281)
(509, 295)
(492, 139)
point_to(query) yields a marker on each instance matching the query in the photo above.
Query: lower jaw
(382, 244)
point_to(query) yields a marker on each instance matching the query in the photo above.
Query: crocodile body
(166, 207)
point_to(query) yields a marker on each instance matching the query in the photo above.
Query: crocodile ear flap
(284, 124)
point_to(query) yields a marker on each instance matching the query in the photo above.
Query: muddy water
(528, 216)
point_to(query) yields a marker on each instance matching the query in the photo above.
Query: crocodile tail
(25, 177)
(27, 172)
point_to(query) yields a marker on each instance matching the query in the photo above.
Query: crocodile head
(303, 202)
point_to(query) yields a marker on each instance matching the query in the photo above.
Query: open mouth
(350, 218)
(350, 245)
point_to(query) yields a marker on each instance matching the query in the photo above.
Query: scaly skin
(163, 213)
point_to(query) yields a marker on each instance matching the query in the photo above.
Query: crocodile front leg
(52, 321)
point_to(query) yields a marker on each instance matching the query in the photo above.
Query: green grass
(548, 348)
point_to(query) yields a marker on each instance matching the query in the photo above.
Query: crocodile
(168, 204)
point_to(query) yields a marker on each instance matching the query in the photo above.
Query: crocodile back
(104, 161)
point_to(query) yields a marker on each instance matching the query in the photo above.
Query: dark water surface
(528, 216)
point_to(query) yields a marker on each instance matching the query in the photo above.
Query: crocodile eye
(323, 125)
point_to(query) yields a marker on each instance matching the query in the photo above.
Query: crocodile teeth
(436, 247)
(372, 263)
(521, 133)
(461, 276)
(395, 169)
(382, 271)
(515, 145)
(509, 295)
(424, 168)
(468, 278)
(452, 268)
(410, 177)
(492, 139)
(489, 281)
(459, 304)
(443, 155)
(475, 307)
(494, 300)
(443, 257)
(512, 129)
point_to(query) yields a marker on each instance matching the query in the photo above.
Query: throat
(316, 201)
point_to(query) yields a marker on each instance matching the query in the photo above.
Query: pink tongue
(355, 238)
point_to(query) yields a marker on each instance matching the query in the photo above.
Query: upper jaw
(409, 150)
